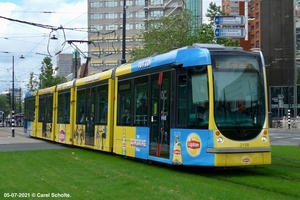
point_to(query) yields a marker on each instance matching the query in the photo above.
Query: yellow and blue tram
(202, 105)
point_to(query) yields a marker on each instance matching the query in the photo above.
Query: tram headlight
(264, 139)
(220, 139)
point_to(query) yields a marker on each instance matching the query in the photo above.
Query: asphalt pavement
(21, 142)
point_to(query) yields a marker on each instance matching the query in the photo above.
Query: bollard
(289, 119)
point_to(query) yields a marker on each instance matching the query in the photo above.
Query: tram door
(90, 116)
(160, 120)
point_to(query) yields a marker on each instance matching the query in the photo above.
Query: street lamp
(13, 97)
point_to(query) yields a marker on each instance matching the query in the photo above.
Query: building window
(140, 14)
(257, 34)
(110, 4)
(111, 27)
(129, 26)
(234, 9)
(156, 13)
(257, 6)
(257, 44)
(139, 26)
(139, 2)
(256, 25)
(252, 28)
(96, 28)
(96, 4)
(111, 15)
(128, 3)
(156, 2)
(256, 16)
(96, 16)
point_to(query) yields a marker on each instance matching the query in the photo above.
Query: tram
(201, 105)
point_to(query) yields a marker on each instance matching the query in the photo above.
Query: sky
(19, 38)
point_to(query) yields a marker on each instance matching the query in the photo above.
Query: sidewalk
(22, 142)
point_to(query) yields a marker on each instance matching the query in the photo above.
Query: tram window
(41, 109)
(90, 107)
(140, 101)
(80, 109)
(101, 109)
(63, 108)
(29, 109)
(182, 100)
(49, 106)
(124, 103)
(197, 98)
(45, 109)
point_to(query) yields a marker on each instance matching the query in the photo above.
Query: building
(276, 31)
(67, 66)
(105, 22)
(64, 64)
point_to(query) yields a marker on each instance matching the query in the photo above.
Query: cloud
(18, 38)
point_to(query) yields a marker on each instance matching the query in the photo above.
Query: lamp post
(13, 97)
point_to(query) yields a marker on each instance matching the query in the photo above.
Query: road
(285, 137)
(290, 137)
(22, 142)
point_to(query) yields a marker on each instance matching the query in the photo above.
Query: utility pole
(13, 99)
(123, 60)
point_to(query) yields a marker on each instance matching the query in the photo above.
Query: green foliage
(165, 34)
(212, 11)
(4, 106)
(179, 30)
(47, 78)
(32, 84)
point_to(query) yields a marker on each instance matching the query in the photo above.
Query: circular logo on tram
(193, 144)
(246, 160)
(62, 136)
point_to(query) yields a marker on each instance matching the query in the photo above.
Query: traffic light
(8, 99)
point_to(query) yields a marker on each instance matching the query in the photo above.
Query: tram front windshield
(238, 95)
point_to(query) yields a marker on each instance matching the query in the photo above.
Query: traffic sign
(229, 32)
(229, 20)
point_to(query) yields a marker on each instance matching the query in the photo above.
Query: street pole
(13, 99)
(75, 72)
(123, 60)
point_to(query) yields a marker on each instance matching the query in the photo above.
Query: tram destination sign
(230, 20)
(229, 32)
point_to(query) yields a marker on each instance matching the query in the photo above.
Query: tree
(165, 34)
(4, 105)
(47, 77)
(207, 30)
(179, 30)
(33, 83)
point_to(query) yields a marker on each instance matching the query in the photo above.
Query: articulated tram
(202, 105)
